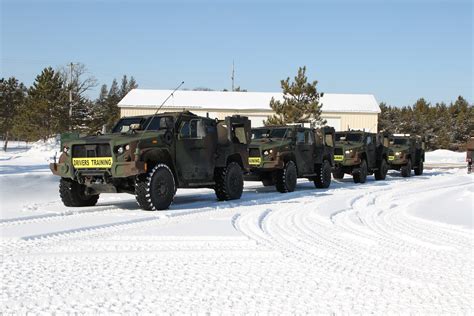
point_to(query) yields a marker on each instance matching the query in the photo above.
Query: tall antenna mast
(233, 75)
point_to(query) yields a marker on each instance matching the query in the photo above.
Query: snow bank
(445, 156)
(33, 159)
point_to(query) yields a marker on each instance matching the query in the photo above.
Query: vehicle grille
(254, 152)
(337, 151)
(91, 150)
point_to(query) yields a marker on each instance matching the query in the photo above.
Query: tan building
(342, 111)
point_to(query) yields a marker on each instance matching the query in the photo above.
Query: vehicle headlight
(127, 147)
(398, 153)
(66, 149)
(265, 152)
(347, 152)
(120, 150)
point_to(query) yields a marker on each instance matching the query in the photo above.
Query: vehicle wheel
(337, 173)
(419, 169)
(229, 182)
(406, 169)
(323, 175)
(361, 175)
(286, 178)
(156, 190)
(74, 194)
(381, 172)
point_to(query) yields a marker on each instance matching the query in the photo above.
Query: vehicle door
(370, 143)
(196, 149)
(304, 151)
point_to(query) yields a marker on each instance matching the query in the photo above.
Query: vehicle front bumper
(120, 169)
(342, 161)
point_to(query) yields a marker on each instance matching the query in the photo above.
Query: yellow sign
(255, 160)
(391, 158)
(92, 163)
(338, 157)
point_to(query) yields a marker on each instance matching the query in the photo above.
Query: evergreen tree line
(44, 109)
(443, 126)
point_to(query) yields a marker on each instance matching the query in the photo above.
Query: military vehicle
(406, 152)
(278, 155)
(152, 156)
(360, 153)
(469, 155)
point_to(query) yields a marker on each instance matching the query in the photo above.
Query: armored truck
(278, 155)
(406, 153)
(469, 155)
(152, 156)
(360, 153)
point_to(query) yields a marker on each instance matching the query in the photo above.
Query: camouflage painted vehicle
(152, 156)
(278, 155)
(406, 153)
(359, 153)
(469, 154)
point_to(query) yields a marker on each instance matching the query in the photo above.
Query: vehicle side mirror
(104, 129)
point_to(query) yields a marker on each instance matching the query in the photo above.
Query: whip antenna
(157, 110)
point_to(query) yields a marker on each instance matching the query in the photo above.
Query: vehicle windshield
(399, 141)
(270, 133)
(349, 137)
(157, 122)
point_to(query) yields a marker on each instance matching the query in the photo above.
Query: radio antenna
(157, 110)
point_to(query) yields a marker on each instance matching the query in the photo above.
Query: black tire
(360, 176)
(419, 168)
(74, 194)
(406, 169)
(286, 178)
(337, 173)
(155, 191)
(382, 170)
(229, 182)
(323, 175)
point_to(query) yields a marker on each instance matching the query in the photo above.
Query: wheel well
(235, 158)
(154, 157)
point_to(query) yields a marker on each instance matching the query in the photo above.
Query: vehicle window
(354, 137)
(184, 130)
(192, 129)
(123, 125)
(339, 135)
(300, 137)
(240, 134)
(399, 141)
(328, 140)
(271, 133)
(309, 137)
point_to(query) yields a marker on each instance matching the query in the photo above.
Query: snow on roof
(220, 100)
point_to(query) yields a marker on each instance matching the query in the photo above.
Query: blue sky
(397, 50)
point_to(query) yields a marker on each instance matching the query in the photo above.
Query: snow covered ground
(395, 246)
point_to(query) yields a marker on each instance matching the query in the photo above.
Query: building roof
(220, 100)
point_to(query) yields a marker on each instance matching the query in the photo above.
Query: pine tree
(46, 110)
(12, 97)
(300, 102)
(105, 109)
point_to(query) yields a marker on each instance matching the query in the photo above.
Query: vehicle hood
(349, 145)
(269, 143)
(112, 139)
(401, 148)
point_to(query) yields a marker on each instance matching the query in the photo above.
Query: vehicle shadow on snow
(254, 194)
